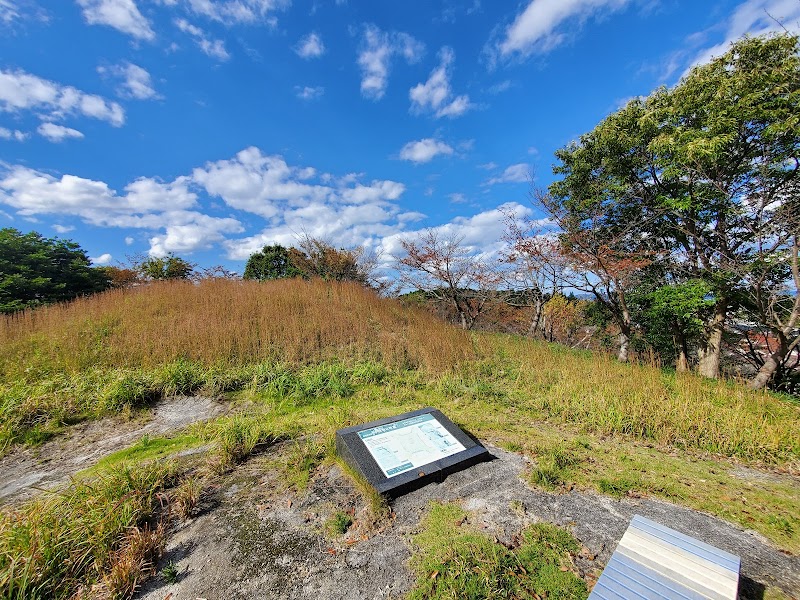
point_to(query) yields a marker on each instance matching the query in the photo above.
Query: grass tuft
(51, 547)
(452, 561)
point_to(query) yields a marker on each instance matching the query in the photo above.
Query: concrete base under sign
(355, 453)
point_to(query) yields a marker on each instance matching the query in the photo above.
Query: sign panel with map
(401, 453)
(408, 444)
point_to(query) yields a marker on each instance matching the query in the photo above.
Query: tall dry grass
(225, 322)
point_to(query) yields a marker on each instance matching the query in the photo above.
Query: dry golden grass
(223, 322)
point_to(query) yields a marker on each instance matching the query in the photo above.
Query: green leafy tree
(272, 262)
(166, 267)
(693, 178)
(35, 270)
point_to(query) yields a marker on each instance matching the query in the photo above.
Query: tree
(35, 270)
(691, 171)
(318, 258)
(534, 266)
(449, 272)
(167, 267)
(729, 137)
(271, 262)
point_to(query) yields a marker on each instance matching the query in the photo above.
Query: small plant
(170, 573)
(187, 497)
(339, 523)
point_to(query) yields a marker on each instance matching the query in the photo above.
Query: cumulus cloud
(12, 134)
(135, 82)
(309, 93)
(754, 18)
(146, 204)
(310, 46)
(58, 133)
(63, 228)
(519, 173)
(425, 150)
(539, 28)
(122, 15)
(22, 91)
(435, 95)
(214, 48)
(378, 49)
(103, 259)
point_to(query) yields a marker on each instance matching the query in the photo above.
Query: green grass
(338, 523)
(454, 562)
(55, 544)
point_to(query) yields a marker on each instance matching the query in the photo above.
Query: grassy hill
(297, 360)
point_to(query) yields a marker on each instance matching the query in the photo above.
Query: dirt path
(25, 471)
(254, 542)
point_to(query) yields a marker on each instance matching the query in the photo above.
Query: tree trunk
(771, 364)
(463, 316)
(682, 360)
(624, 345)
(533, 329)
(711, 347)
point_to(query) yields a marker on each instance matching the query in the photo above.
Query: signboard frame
(351, 448)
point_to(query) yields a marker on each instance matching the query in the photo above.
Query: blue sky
(209, 128)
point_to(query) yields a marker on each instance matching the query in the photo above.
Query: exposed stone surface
(26, 471)
(253, 541)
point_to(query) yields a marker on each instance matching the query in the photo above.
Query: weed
(170, 573)
(339, 523)
(239, 436)
(186, 497)
(135, 561)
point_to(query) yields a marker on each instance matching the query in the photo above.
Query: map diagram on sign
(408, 444)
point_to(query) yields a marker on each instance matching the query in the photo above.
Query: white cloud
(8, 11)
(457, 198)
(490, 166)
(63, 228)
(122, 15)
(499, 88)
(378, 48)
(211, 47)
(136, 81)
(310, 46)
(12, 134)
(22, 91)
(481, 234)
(103, 259)
(425, 150)
(519, 173)
(754, 18)
(309, 93)
(128, 240)
(435, 94)
(147, 204)
(537, 28)
(235, 12)
(58, 133)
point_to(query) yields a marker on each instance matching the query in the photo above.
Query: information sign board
(410, 443)
(401, 453)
